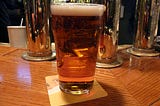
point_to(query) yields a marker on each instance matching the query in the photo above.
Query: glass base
(142, 52)
(25, 56)
(76, 88)
(118, 62)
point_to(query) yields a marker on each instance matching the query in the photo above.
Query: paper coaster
(57, 97)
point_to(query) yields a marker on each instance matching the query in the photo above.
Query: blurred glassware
(37, 29)
(108, 44)
(146, 26)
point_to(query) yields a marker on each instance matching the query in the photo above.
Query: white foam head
(77, 9)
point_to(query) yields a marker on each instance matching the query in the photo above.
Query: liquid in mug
(76, 32)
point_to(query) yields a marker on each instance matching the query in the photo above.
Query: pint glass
(146, 26)
(37, 29)
(76, 27)
(107, 50)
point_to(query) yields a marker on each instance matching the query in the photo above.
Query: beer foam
(77, 9)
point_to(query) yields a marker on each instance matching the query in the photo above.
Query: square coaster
(57, 97)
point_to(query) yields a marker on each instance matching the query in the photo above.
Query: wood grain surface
(135, 83)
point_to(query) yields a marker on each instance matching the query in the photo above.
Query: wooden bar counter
(135, 83)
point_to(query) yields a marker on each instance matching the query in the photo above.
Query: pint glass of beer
(76, 27)
(37, 29)
(146, 26)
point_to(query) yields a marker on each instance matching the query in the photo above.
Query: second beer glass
(76, 27)
(37, 30)
(108, 45)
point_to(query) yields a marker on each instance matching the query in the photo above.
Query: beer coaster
(58, 98)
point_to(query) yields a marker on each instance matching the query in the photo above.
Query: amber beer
(76, 29)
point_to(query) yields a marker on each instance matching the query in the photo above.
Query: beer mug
(107, 50)
(37, 29)
(76, 27)
(146, 26)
